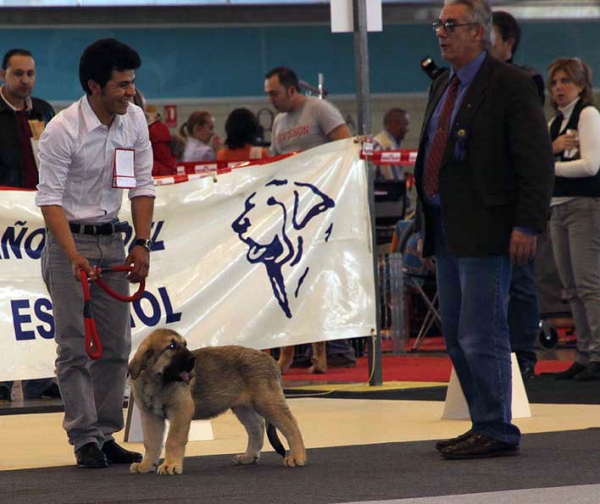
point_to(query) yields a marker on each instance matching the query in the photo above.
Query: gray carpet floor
(384, 472)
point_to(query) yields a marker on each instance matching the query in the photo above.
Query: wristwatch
(147, 244)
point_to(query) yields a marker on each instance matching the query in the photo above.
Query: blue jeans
(472, 294)
(523, 313)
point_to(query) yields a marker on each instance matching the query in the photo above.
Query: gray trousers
(92, 391)
(575, 231)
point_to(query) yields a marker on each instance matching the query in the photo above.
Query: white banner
(263, 256)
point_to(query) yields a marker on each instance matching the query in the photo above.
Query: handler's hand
(522, 247)
(139, 258)
(79, 264)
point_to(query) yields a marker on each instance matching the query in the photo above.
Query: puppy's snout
(189, 360)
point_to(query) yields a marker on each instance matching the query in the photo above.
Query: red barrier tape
(193, 170)
(93, 345)
(211, 167)
(404, 157)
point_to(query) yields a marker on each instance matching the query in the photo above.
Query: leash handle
(93, 346)
(115, 294)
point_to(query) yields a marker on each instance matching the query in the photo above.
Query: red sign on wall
(170, 116)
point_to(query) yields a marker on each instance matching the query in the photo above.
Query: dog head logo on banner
(278, 241)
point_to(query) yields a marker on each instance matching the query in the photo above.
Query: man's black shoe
(303, 361)
(5, 392)
(528, 371)
(339, 361)
(480, 446)
(89, 456)
(52, 392)
(590, 373)
(570, 373)
(441, 445)
(116, 454)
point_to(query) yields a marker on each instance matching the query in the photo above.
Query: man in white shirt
(303, 122)
(80, 198)
(395, 128)
(391, 180)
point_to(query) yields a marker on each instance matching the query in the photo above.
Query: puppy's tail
(274, 439)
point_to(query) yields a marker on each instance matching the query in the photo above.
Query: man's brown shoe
(480, 446)
(441, 445)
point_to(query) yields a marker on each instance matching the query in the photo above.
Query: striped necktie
(438, 146)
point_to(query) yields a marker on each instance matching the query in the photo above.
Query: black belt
(99, 229)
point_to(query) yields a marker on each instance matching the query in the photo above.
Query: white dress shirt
(384, 141)
(77, 154)
(196, 150)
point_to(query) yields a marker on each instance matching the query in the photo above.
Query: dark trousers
(523, 314)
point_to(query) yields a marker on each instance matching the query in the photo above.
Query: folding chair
(416, 275)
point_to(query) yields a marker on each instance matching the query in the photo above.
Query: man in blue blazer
(484, 179)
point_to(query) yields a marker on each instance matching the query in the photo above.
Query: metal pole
(361, 61)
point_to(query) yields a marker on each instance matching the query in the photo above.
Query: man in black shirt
(523, 310)
(22, 119)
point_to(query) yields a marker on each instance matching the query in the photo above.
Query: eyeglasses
(449, 25)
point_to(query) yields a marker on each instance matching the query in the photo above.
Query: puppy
(319, 358)
(170, 382)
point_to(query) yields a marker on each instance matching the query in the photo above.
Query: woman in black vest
(575, 221)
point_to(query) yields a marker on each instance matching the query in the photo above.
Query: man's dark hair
(392, 114)
(14, 52)
(102, 57)
(241, 127)
(287, 77)
(508, 27)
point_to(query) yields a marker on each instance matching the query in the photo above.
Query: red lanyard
(93, 346)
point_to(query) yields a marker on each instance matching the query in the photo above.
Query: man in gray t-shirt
(303, 122)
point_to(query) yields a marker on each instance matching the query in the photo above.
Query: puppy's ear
(139, 361)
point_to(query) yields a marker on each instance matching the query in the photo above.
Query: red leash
(93, 346)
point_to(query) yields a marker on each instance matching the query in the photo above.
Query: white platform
(200, 430)
(455, 407)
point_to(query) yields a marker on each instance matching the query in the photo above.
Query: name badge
(124, 170)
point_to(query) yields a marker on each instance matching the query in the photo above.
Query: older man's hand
(522, 247)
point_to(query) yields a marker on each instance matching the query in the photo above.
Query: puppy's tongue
(185, 376)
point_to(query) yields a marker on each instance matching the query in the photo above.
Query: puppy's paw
(294, 460)
(168, 467)
(244, 459)
(142, 467)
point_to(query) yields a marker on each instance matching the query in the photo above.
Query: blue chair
(416, 275)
